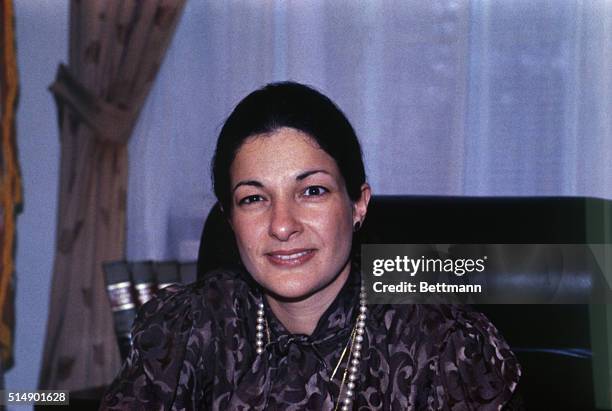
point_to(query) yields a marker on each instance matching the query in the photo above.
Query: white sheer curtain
(448, 97)
(540, 99)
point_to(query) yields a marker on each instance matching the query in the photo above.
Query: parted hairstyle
(295, 105)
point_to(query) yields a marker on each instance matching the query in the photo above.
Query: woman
(292, 330)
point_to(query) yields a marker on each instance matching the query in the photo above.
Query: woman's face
(291, 214)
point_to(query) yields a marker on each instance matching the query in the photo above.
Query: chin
(291, 290)
(294, 283)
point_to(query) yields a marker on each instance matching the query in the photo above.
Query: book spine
(167, 273)
(120, 296)
(144, 292)
(143, 280)
(122, 303)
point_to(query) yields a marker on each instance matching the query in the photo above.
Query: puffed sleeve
(163, 366)
(476, 368)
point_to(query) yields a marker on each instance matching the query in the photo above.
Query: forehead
(284, 152)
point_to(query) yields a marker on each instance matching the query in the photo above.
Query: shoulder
(432, 322)
(217, 288)
(476, 364)
(438, 324)
(469, 361)
(171, 339)
(176, 303)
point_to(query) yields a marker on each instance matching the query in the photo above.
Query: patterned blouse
(194, 349)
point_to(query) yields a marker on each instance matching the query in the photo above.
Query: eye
(250, 199)
(315, 191)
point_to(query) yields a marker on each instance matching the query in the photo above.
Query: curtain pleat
(116, 48)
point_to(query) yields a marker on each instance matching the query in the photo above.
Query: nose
(284, 221)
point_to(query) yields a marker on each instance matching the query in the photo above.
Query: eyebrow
(300, 177)
(309, 173)
(253, 183)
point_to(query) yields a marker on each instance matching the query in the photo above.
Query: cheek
(246, 236)
(337, 227)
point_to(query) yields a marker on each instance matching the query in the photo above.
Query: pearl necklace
(354, 357)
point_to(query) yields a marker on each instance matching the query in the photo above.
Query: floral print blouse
(194, 349)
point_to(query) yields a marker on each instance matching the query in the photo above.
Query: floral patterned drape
(116, 48)
(10, 180)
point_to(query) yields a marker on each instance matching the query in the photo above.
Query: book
(167, 273)
(143, 279)
(123, 306)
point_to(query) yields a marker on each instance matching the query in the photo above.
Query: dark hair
(288, 104)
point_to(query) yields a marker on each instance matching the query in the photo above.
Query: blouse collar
(335, 323)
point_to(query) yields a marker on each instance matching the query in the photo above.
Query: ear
(360, 207)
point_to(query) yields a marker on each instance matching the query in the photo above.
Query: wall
(42, 42)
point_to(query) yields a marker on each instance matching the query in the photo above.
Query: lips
(290, 258)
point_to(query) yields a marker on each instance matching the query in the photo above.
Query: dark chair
(551, 341)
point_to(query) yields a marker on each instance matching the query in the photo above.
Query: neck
(302, 316)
